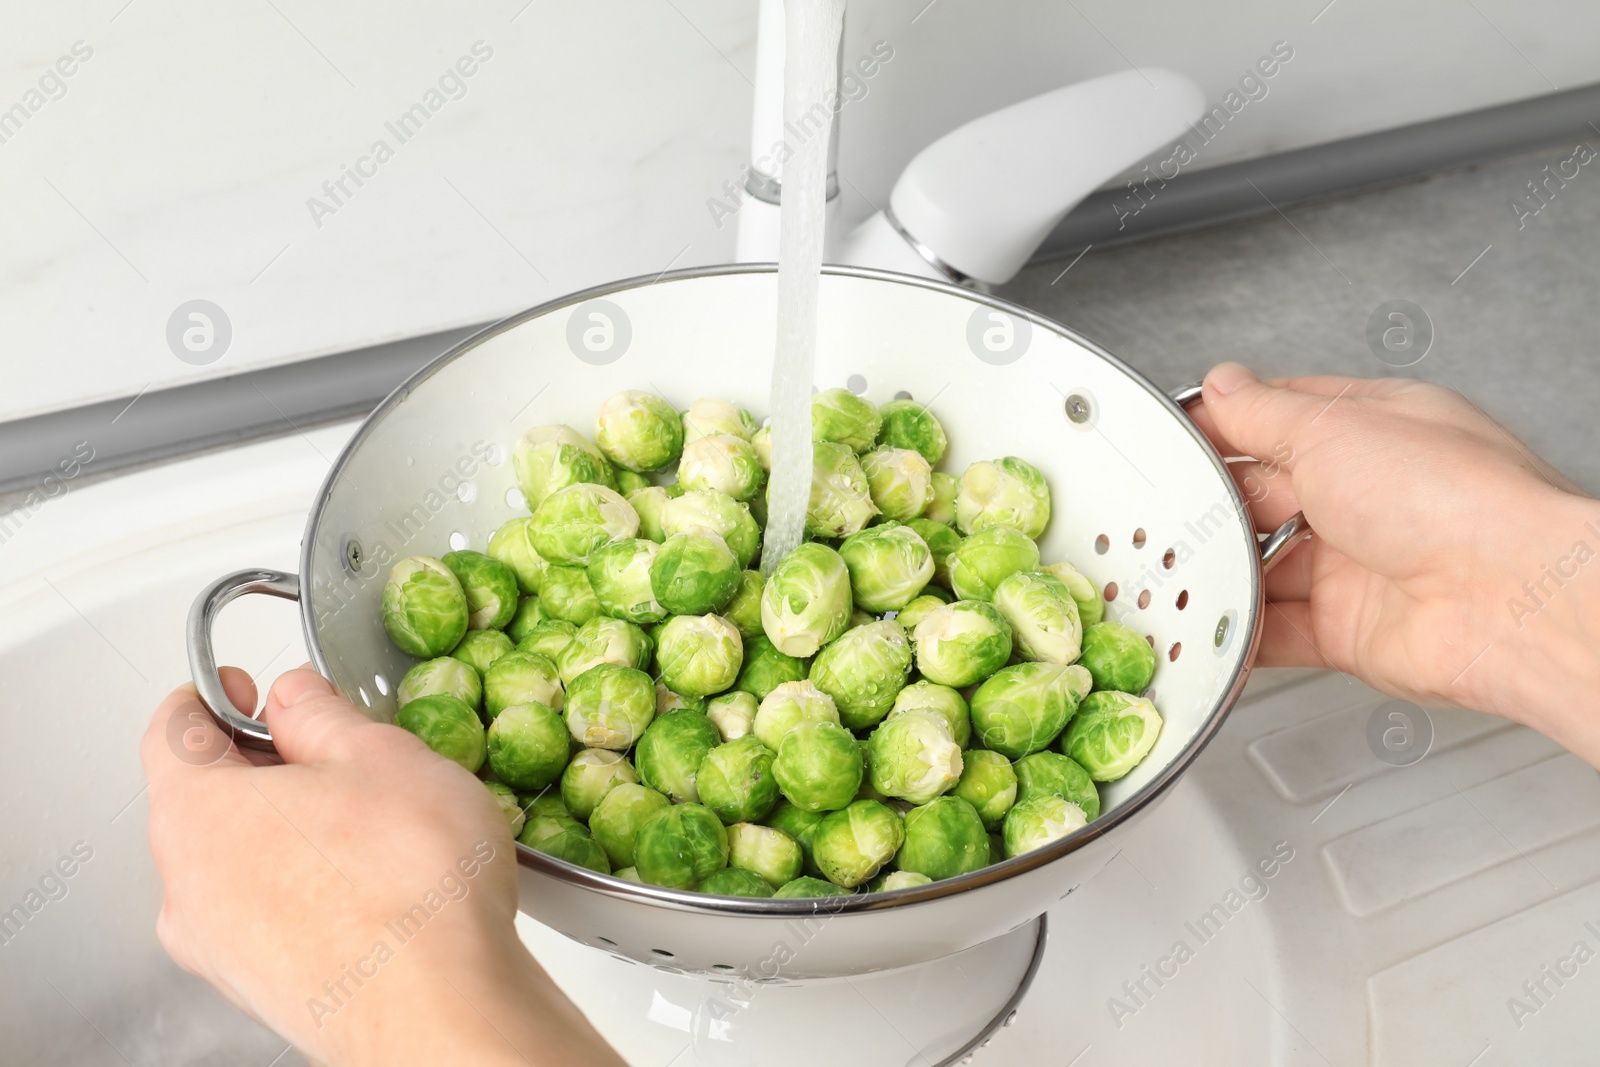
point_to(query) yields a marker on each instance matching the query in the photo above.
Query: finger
(183, 738)
(309, 720)
(1291, 578)
(1286, 637)
(1262, 420)
(1269, 491)
(1208, 425)
(241, 689)
(1331, 385)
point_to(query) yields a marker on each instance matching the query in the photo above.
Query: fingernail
(1226, 378)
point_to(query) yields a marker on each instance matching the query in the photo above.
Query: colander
(1142, 504)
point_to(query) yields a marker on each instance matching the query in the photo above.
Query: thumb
(1260, 419)
(309, 720)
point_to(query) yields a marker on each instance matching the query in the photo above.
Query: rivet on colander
(353, 555)
(1078, 408)
(1222, 632)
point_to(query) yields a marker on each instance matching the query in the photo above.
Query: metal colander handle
(247, 732)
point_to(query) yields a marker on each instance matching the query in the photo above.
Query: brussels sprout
(630, 482)
(694, 573)
(989, 783)
(1022, 708)
(863, 671)
(628, 874)
(539, 828)
(889, 565)
(1005, 492)
(908, 424)
(528, 746)
(521, 678)
(446, 675)
(899, 480)
(592, 774)
(807, 601)
(1112, 733)
(1043, 616)
(480, 648)
(787, 706)
(1052, 773)
(997, 848)
(986, 558)
(765, 668)
(951, 706)
(839, 415)
(447, 725)
(509, 806)
(548, 638)
(603, 640)
(615, 821)
(744, 610)
(424, 608)
(512, 545)
(733, 882)
(942, 541)
(708, 416)
(667, 700)
(530, 613)
(1117, 658)
(698, 655)
(670, 753)
(733, 714)
(680, 846)
(807, 887)
(549, 458)
(1032, 824)
(547, 803)
(944, 838)
(719, 513)
(639, 431)
(766, 851)
(567, 595)
(819, 765)
(571, 523)
(724, 463)
(619, 574)
(841, 498)
(800, 825)
(893, 880)
(489, 586)
(577, 848)
(609, 706)
(851, 845)
(942, 499)
(914, 612)
(650, 503)
(736, 782)
(761, 441)
(912, 756)
(961, 643)
(1091, 609)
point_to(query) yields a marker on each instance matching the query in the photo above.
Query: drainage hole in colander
(1144, 598)
(663, 953)
(515, 500)
(1139, 538)
(624, 959)
(364, 698)
(1183, 599)
(466, 492)
(1175, 651)
(458, 541)
(1149, 694)
(724, 966)
(382, 683)
(1222, 636)
(856, 384)
(903, 395)
(1101, 544)
(1168, 559)
(1110, 592)
(606, 941)
(1149, 640)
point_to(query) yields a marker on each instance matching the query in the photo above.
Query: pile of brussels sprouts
(909, 696)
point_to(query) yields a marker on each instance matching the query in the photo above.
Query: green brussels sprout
(615, 821)
(619, 574)
(1043, 616)
(891, 880)
(592, 774)
(446, 675)
(489, 586)
(630, 482)
(719, 513)
(863, 671)
(548, 459)
(839, 415)
(1022, 708)
(723, 463)
(889, 565)
(650, 503)
(997, 848)
(908, 424)
(942, 499)
(603, 640)
(680, 846)
(639, 431)
(807, 887)
(480, 648)
(819, 765)
(521, 678)
(733, 882)
(989, 783)
(694, 572)
(787, 706)
(1052, 773)
(806, 603)
(944, 838)
(899, 480)
(609, 706)
(1032, 824)
(1112, 733)
(800, 825)
(530, 613)
(744, 610)
(510, 807)
(1005, 492)
(860, 618)
(667, 700)
(449, 726)
(548, 639)
(765, 668)
(698, 655)
(761, 441)
(577, 848)
(628, 874)
(951, 706)
(708, 416)
(985, 559)
(424, 608)
(528, 746)
(766, 851)
(851, 845)
(919, 608)
(962, 643)
(567, 595)
(571, 523)
(841, 497)
(1091, 609)
(1117, 658)
(538, 828)
(733, 714)
(547, 803)
(942, 541)
(512, 545)
(913, 757)
(670, 753)
(736, 782)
